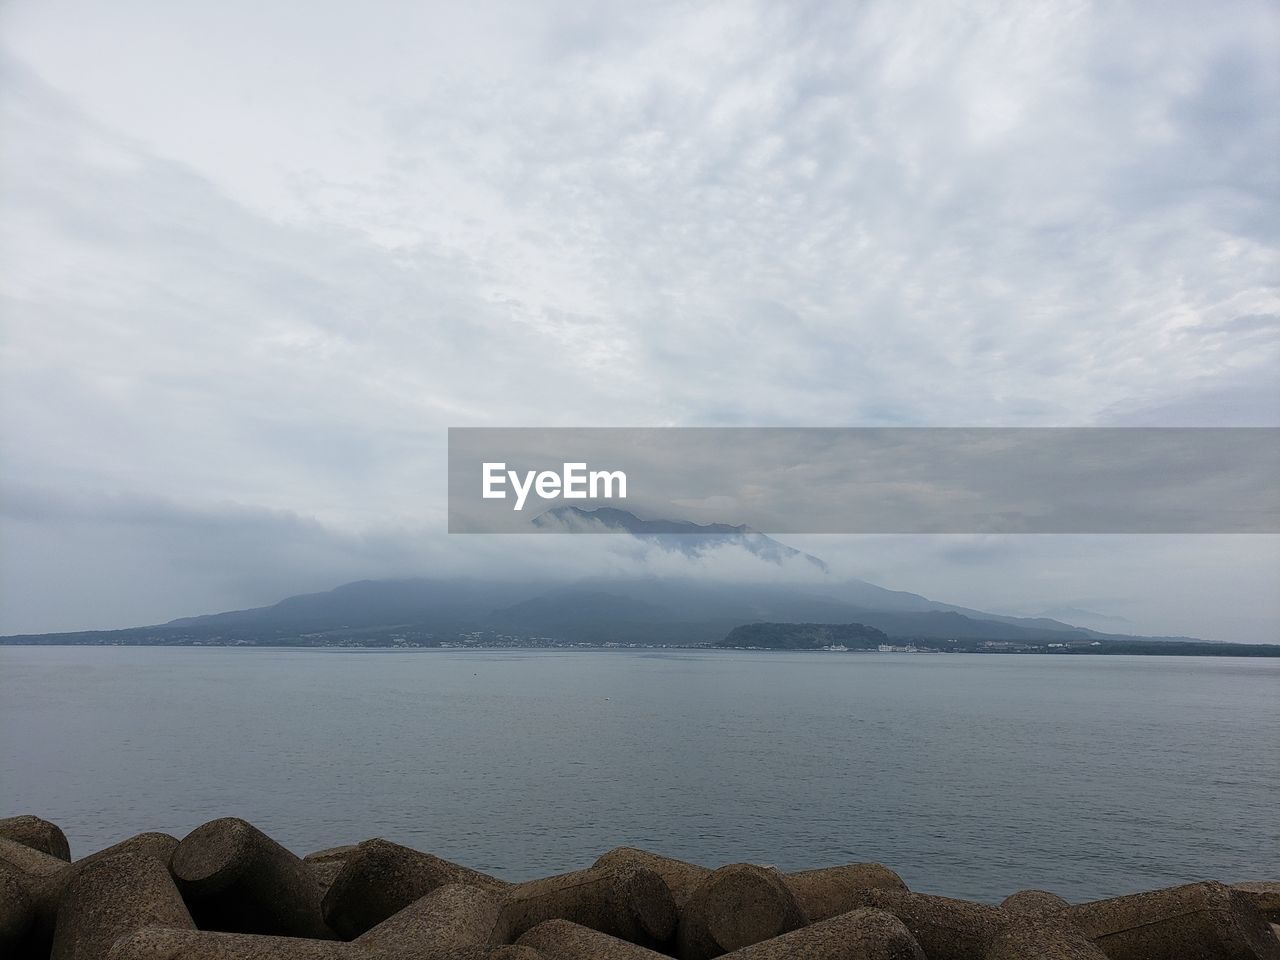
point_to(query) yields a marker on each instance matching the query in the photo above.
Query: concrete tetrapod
(17, 914)
(628, 902)
(1197, 921)
(379, 878)
(30, 862)
(1035, 903)
(449, 921)
(1265, 895)
(946, 929)
(453, 922)
(328, 863)
(821, 893)
(736, 906)
(949, 929)
(32, 831)
(565, 940)
(1043, 939)
(237, 879)
(863, 934)
(681, 877)
(1202, 921)
(45, 878)
(114, 897)
(160, 943)
(832, 891)
(856, 935)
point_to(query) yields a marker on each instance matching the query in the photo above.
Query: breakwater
(228, 891)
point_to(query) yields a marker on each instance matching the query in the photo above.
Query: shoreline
(1160, 649)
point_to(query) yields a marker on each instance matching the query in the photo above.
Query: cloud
(264, 254)
(93, 561)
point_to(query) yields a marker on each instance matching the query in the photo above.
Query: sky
(256, 258)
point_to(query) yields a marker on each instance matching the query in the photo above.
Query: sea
(970, 775)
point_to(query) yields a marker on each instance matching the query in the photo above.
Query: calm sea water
(970, 775)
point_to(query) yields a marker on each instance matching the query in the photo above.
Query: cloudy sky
(256, 257)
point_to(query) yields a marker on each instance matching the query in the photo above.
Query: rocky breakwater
(228, 891)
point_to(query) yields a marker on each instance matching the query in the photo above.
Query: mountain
(671, 601)
(625, 610)
(1084, 617)
(367, 603)
(694, 539)
(638, 610)
(682, 536)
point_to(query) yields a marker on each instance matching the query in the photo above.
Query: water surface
(970, 775)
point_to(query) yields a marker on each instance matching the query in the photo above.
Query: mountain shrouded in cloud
(643, 607)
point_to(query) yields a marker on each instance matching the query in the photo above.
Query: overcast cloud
(255, 258)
